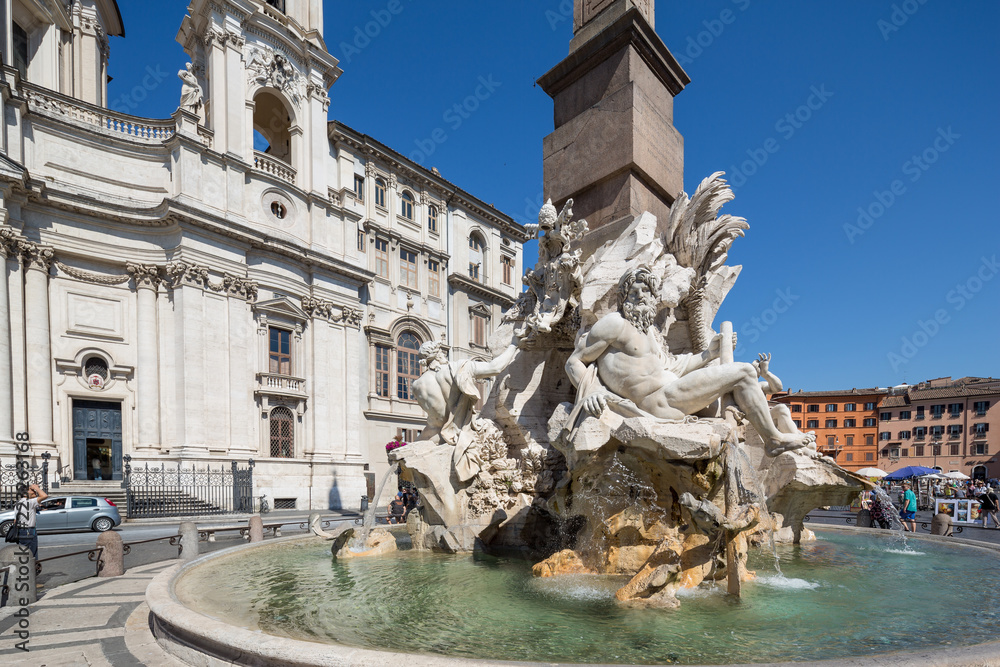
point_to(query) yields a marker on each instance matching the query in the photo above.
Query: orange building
(845, 422)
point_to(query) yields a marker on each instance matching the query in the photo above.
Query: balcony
(277, 168)
(272, 384)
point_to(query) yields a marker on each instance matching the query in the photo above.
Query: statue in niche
(621, 362)
(447, 393)
(192, 96)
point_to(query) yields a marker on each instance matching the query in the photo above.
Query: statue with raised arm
(621, 363)
(191, 93)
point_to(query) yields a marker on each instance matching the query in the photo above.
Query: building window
(906, 452)
(981, 407)
(831, 423)
(433, 278)
(796, 408)
(980, 449)
(507, 263)
(955, 450)
(797, 422)
(474, 271)
(95, 366)
(868, 422)
(954, 409)
(361, 240)
(869, 439)
(848, 456)
(20, 50)
(980, 430)
(812, 408)
(869, 456)
(406, 205)
(382, 370)
(277, 4)
(885, 416)
(282, 433)
(869, 406)
(408, 268)
(920, 432)
(812, 423)
(918, 450)
(432, 219)
(937, 411)
(849, 441)
(884, 435)
(937, 432)
(475, 257)
(831, 441)
(849, 407)
(936, 450)
(280, 361)
(904, 414)
(954, 430)
(380, 192)
(407, 365)
(920, 412)
(359, 187)
(382, 257)
(850, 423)
(831, 407)
(479, 329)
(904, 435)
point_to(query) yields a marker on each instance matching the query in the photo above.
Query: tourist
(908, 513)
(96, 465)
(27, 511)
(989, 503)
(881, 510)
(397, 509)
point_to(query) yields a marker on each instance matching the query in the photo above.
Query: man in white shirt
(26, 509)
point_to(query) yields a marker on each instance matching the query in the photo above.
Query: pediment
(281, 307)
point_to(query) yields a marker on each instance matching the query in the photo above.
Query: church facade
(246, 279)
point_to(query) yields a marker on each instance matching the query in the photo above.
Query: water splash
(358, 544)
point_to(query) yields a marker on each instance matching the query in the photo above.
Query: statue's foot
(786, 442)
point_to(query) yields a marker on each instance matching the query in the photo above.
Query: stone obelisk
(614, 150)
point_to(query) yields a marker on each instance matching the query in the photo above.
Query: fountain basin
(291, 587)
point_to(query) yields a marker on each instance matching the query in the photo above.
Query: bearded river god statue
(620, 436)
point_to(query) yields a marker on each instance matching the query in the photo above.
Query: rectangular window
(796, 408)
(869, 406)
(980, 430)
(954, 409)
(920, 432)
(904, 435)
(981, 407)
(918, 450)
(831, 423)
(359, 187)
(848, 456)
(813, 408)
(937, 411)
(479, 330)
(885, 416)
(869, 456)
(954, 430)
(797, 422)
(980, 449)
(831, 407)
(380, 192)
(955, 450)
(812, 423)
(906, 452)
(361, 240)
(382, 370)
(831, 441)
(849, 440)
(508, 269)
(884, 435)
(408, 268)
(894, 452)
(849, 407)
(280, 351)
(433, 278)
(407, 367)
(432, 219)
(382, 257)
(20, 50)
(937, 432)
(904, 414)
(474, 271)
(920, 412)
(850, 423)
(868, 422)
(936, 449)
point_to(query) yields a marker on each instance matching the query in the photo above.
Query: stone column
(6, 377)
(37, 349)
(147, 280)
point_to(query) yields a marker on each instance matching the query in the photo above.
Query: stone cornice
(467, 284)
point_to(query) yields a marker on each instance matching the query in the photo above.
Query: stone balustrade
(274, 167)
(55, 105)
(281, 382)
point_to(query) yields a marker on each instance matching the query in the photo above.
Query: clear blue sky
(906, 294)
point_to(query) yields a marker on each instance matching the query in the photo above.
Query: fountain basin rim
(198, 639)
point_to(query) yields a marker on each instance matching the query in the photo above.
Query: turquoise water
(843, 595)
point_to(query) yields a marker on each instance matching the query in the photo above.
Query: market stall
(961, 510)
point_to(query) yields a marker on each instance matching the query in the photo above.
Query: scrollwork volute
(35, 256)
(146, 276)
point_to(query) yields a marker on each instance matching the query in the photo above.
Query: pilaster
(147, 281)
(6, 377)
(36, 260)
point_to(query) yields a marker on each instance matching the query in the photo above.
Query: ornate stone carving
(191, 92)
(327, 310)
(182, 273)
(8, 243)
(91, 277)
(146, 276)
(35, 256)
(266, 67)
(320, 93)
(370, 169)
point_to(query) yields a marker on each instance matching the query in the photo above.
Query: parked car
(70, 513)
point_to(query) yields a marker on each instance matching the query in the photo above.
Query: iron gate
(21, 472)
(162, 491)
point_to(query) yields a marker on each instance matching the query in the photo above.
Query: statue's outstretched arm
(485, 369)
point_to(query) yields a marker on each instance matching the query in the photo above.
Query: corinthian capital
(35, 256)
(146, 276)
(7, 243)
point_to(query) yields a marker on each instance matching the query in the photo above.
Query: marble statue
(191, 93)
(622, 361)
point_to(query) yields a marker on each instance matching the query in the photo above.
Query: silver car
(70, 513)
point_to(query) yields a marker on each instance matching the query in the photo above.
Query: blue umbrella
(910, 471)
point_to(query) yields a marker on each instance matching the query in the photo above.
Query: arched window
(282, 433)
(407, 365)
(476, 263)
(272, 124)
(380, 192)
(406, 205)
(432, 219)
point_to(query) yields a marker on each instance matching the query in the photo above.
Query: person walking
(26, 511)
(989, 504)
(908, 513)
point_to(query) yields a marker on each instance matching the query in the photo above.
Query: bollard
(864, 519)
(256, 529)
(22, 580)
(941, 524)
(113, 556)
(189, 541)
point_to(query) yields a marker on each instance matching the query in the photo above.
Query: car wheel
(5, 526)
(102, 524)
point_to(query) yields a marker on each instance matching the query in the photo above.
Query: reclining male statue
(621, 362)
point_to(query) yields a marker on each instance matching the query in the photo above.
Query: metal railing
(175, 541)
(93, 555)
(159, 491)
(14, 474)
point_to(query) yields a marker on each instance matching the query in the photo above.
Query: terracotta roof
(959, 391)
(874, 391)
(894, 402)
